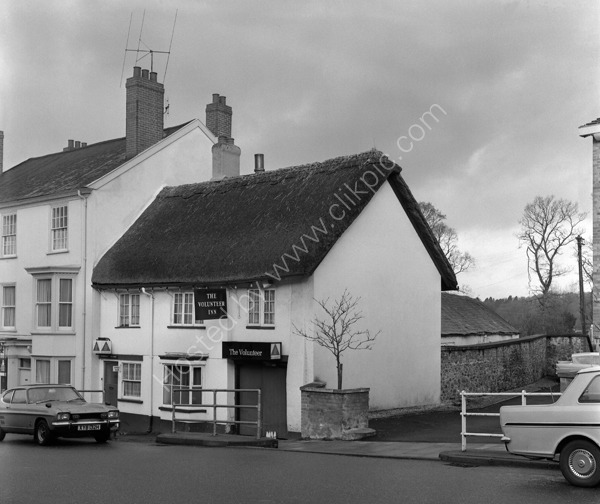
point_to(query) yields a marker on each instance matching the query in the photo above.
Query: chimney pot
(84, 144)
(71, 144)
(77, 144)
(259, 163)
(153, 76)
(145, 73)
(137, 71)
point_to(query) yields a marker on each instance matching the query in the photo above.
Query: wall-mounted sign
(102, 346)
(243, 350)
(210, 304)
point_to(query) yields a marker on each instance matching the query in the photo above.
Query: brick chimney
(226, 155)
(144, 108)
(593, 129)
(1, 151)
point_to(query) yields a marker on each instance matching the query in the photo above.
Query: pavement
(418, 434)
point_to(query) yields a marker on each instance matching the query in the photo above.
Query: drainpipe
(84, 259)
(151, 296)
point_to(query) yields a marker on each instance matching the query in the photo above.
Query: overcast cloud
(312, 80)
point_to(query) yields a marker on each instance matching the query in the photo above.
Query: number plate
(88, 427)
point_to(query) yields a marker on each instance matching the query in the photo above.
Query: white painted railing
(464, 414)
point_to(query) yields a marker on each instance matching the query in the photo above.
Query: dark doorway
(271, 379)
(111, 382)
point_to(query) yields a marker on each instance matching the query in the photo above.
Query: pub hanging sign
(210, 304)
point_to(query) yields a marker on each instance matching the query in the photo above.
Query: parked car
(568, 428)
(50, 411)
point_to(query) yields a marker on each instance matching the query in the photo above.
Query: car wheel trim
(582, 463)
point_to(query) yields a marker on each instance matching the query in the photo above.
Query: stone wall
(504, 365)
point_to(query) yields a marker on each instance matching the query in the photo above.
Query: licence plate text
(88, 427)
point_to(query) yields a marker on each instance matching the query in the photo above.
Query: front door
(271, 379)
(111, 382)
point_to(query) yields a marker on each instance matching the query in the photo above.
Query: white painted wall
(34, 251)
(381, 259)
(158, 337)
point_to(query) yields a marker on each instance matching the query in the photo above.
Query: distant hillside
(558, 315)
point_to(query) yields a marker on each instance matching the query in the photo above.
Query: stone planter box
(334, 414)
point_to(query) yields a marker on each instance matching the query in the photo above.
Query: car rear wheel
(102, 437)
(42, 434)
(580, 463)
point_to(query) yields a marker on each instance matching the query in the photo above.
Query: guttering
(151, 296)
(84, 198)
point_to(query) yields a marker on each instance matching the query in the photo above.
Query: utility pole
(581, 293)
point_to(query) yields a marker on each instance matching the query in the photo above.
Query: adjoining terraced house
(62, 211)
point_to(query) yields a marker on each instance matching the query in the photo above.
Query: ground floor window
(182, 384)
(131, 380)
(53, 370)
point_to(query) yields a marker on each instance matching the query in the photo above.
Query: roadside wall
(504, 365)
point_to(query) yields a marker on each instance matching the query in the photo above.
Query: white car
(568, 428)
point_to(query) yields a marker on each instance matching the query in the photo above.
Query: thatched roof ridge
(269, 225)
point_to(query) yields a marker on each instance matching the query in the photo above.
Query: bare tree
(447, 238)
(335, 331)
(548, 225)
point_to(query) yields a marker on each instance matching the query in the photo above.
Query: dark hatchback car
(50, 411)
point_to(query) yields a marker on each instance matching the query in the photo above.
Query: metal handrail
(93, 391)
(214, 405)
(463, 411)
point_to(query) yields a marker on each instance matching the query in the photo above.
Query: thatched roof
(267, 225)
(63, 172)
(465, 316)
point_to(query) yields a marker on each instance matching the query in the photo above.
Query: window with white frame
(182, 384)
(129, 310)
(261, 307)
(54, 303)
(184, 310)
(59, 228)
(9, 235)
(53, 370)
(131, 380)
(9, 302)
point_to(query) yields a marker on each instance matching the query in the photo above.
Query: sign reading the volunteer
(243, 350)
(210, 304)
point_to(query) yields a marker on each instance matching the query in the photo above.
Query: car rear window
(19, 397)
(592, 392)
(7, 396)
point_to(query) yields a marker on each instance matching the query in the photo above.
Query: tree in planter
(335, 331)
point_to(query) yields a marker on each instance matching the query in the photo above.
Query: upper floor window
(261, 307)
(9, 235)
(129, 310)
(54, 303)
(59, 228)
(183, 309)
(9, 301)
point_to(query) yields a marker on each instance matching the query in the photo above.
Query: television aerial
(143, 50)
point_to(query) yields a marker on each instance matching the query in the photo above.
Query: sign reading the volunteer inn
(210, 304)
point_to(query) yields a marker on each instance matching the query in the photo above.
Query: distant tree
(548, 226)
(587, 260)
(335, 331)
(447, 238)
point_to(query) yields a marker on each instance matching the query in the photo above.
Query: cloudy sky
(509, 81)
